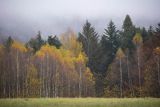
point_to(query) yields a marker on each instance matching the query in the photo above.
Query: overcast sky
(23, 18)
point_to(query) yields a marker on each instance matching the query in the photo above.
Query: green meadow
(80, 102)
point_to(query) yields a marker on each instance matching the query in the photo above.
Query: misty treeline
(119, 63)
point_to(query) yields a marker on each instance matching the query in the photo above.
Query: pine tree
(89, 40)
(127, 34)
(109, 44)
(127, 24)
(36, 43)
(144, 34)
(158, 28)
(8, 43)
(54, 41)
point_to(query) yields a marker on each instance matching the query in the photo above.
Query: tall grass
(80, 102)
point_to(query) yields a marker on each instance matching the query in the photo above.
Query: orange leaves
(18, 46)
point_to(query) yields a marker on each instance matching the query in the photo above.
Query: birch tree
(120, 55)
(137, 40)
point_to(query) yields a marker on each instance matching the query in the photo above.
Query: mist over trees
(119, 63)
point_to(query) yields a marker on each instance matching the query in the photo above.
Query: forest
(119, 63)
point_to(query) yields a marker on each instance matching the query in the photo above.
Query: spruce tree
(36, 43)
(127, 34)
(8, 43)
(89, 39)
(54, 41)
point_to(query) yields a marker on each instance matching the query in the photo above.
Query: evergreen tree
(89, 40)
(144, 34)
(127, 24)
(36, 43)
(150, 31)
(127, 34)
(109, 44)
(111, 36)
(54, 41)
(9, 43)
(158, 28)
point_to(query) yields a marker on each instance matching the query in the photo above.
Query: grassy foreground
(80, 102)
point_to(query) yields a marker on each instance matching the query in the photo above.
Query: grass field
(80, 102)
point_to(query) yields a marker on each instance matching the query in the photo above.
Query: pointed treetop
(120, 54)
(9, 43)
(127, 24)
(137, 39)
(111, 31)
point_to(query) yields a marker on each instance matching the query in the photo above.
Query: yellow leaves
(1, 49)
(52, 52)
(1, 52)
(33, 82)
(47, 50)
(69, 41)
(68, 58)
(157, 51)
(81, 58)
(40, 54)
(32, 71)
(89, 74)
(18, 46)
(120, 53)
(137, 39)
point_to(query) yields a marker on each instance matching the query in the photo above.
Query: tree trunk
(158, 70)
(69, 86)
(17, 77)
(80, 82)
(129, 77)
(139, 70)
(121, 80)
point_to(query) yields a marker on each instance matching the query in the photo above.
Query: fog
(24, 18)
